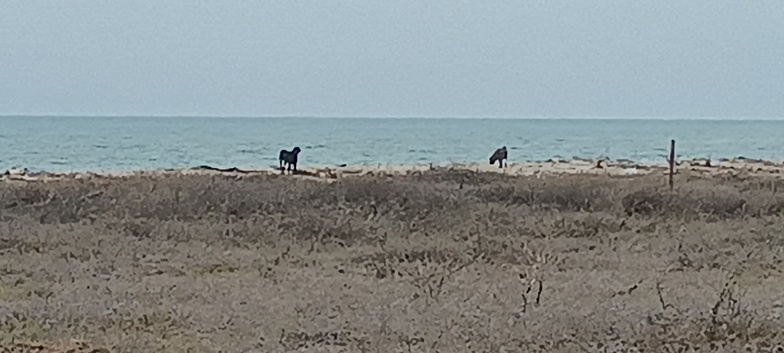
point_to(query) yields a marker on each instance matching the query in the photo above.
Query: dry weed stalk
(432, 284)
(664, 305)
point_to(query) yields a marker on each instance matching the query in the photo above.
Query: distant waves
(80, 144)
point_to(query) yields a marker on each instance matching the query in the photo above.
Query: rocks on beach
(15, 172)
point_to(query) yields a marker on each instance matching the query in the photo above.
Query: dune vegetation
(445, 261)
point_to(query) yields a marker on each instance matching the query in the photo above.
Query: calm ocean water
(103, 144)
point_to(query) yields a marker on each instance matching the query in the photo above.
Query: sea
(101, 144)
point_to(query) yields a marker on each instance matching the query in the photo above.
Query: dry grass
(438, 262)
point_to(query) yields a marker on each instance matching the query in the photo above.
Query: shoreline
(552, 167)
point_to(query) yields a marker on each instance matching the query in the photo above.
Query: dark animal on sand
(289, 158)
(499, 155)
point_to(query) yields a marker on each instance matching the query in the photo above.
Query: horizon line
(663, 118)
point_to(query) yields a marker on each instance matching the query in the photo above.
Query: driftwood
(237, 170)
(223, 170)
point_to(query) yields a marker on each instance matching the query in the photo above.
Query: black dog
(500, 156)
(288, 158)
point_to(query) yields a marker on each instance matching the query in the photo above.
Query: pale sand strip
(735, 167)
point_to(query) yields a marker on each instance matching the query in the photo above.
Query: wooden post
(672, 161)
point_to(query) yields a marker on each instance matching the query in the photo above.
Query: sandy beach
(738, 167)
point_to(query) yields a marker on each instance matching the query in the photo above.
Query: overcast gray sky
(526, 58)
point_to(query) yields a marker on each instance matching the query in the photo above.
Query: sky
(435, 58)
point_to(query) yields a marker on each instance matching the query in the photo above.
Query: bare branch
(664, 304)
(539, 293)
